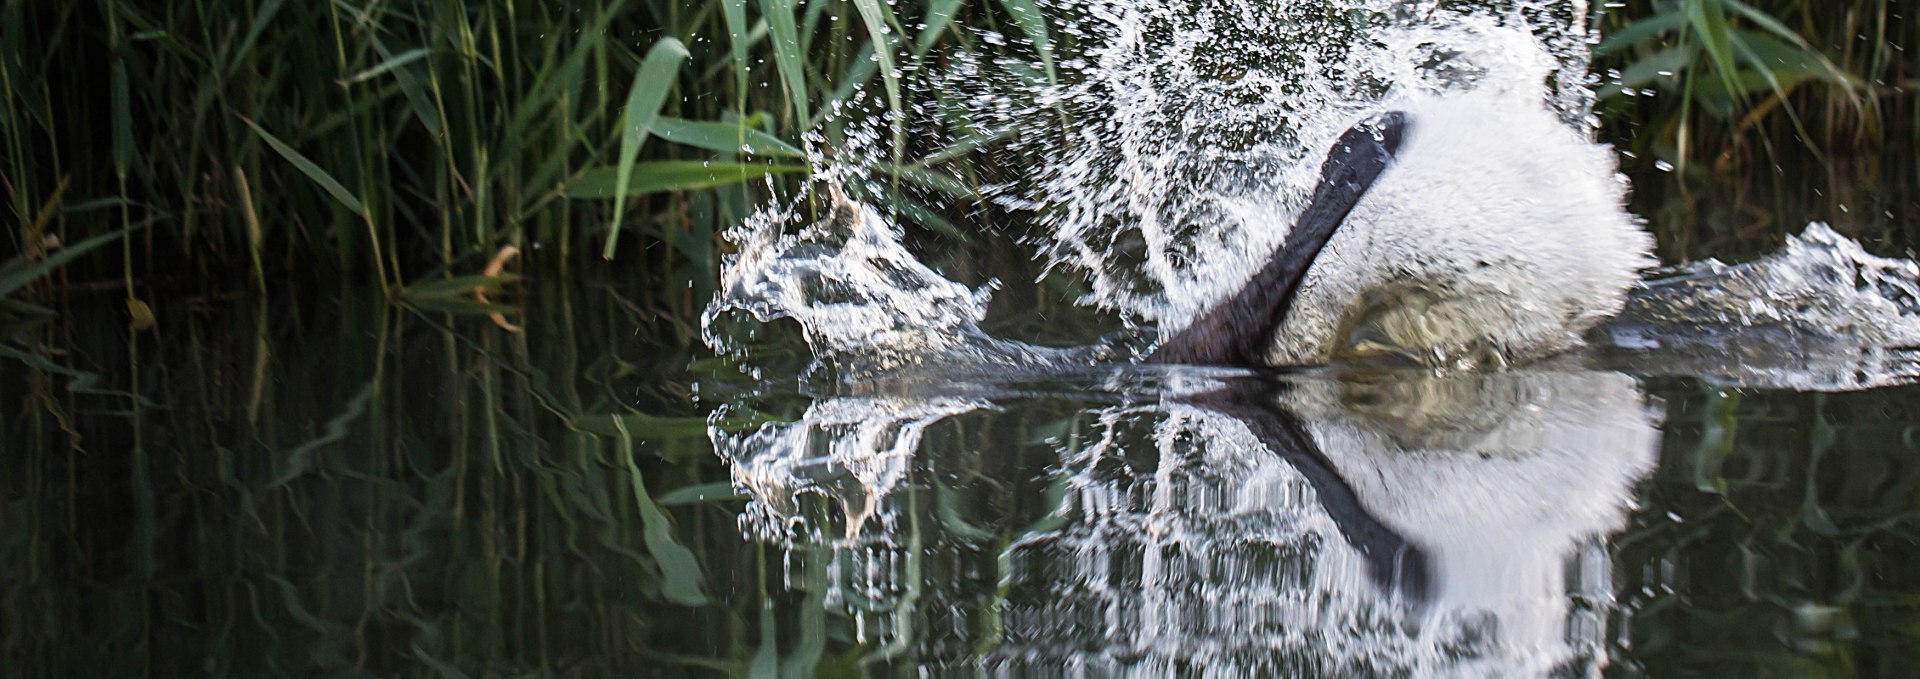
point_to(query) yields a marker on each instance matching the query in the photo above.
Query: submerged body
(1454, 233)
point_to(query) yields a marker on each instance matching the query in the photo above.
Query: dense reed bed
(1740, 120)
(257, 421)
(401, 143)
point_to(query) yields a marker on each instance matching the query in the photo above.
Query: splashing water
(1204, 125)
(1413, 526)
(1821, 315)
(1822, 285)
(1161, 529)
(1196, 133)
(866, 305)
(1197, 130)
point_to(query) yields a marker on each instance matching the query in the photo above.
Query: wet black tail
(1239, 330)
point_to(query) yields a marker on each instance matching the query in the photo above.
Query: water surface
(333, 483)
(326, 480)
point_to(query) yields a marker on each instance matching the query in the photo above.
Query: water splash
(1412, 525)
(866, 305)
(1823, 285)
(1199, 126)
(1821, 315)
(1160, 165)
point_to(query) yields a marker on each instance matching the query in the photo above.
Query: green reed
(401, 142)
(1743, 119)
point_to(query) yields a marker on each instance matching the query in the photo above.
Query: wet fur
(1238, 331)
(1474, 234)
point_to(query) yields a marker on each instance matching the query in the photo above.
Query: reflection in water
(1386, 524)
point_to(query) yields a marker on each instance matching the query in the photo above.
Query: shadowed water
(397, 493)
(850, 466)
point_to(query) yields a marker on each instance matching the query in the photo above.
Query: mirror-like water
(1332, 522)
(851, 465)
(388, 492)
(1336, 527)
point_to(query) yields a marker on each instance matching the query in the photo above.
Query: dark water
(330, 484)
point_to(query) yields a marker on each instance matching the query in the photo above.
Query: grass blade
(932, 179)
(723, 137)
(1638, 31)
(15, 279)
(419, 98)
(734, 12)
(1709, 21)
(457, 286)
(1767, 22)
(1031, 22)
(312, 171)
(878, 19)
(1662, 64)
(859, 71)
(786, 52)
(669, 175)
(263, 16)
(384, 67)
(939, 16)
(644, 99)
(124, 151)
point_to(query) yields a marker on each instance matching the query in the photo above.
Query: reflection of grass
(1785, 543)
(414, 491)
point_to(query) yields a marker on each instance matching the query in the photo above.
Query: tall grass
(406, 142)
(398, 142)
(1743, 119)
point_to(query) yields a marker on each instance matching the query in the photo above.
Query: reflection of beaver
(1456, 233)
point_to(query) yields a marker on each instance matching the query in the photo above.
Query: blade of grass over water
(307, 167)
(879, 21)
(723, 137)
(786, 54)
(649, 91)
(669, 175)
